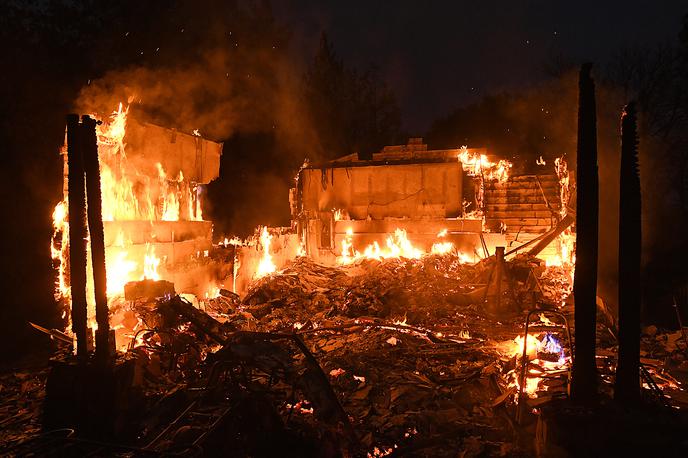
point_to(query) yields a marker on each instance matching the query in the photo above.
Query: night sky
(442, 54)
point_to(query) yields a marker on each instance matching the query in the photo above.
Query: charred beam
(77, 233)
(630, 239)
(97, 237)
(584, 379)
(549, 237)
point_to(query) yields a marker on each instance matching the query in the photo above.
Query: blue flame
(550, 344)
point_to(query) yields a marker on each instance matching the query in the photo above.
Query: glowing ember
(393, 341)
(337, 372)
(266, 266)
(213, 292)
(236, 241)
(301, 250)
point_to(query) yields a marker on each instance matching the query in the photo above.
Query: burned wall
(197, 158)
(377, 191)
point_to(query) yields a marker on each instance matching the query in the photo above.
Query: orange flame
(565, 256)
(150, 264)
(536, 343)
(397, 245)
(266, 266)
(59, 244)
(127, 194)
(479, 165)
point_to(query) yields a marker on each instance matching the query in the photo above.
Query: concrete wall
(197, 158)
(406, 190)
(181, 246)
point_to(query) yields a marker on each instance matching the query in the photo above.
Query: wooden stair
(529, 205)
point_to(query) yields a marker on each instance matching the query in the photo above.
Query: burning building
(152, 181)
(407, 200)
(391, 308)
(407, 192)
(386, 319)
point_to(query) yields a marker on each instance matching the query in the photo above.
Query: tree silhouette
(520, 125)
(351, 111)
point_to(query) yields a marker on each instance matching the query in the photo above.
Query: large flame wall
(151, 180)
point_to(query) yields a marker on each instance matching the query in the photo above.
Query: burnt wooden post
(95, 229)
(493, 291)
(499, 256)
(627, 384)
(77, 234)
(584, 377)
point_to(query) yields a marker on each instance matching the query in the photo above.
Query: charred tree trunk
(627, 387)
(95, 228)
(584, 378)
(77, 234)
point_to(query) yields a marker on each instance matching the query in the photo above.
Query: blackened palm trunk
(584, 379)
(77, 234)
(95, 229)
(627, 386)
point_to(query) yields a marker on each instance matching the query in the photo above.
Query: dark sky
(438, 55)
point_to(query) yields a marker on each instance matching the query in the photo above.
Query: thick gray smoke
(210, 94)
(233, 79)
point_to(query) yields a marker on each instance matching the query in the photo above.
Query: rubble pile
(405, 345)
(21, 395)
(374, 358)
